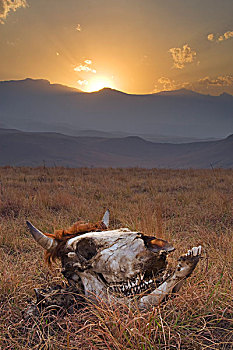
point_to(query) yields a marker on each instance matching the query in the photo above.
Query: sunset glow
(96, 83)
(138, 42)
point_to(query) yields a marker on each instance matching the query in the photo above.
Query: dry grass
(186, 207)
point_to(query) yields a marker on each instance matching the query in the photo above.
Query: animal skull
(120, 264)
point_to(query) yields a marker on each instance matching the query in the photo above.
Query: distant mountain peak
(108, 91)
(226, 95)
(179, 92)
(31, 80)
(39, 84)
(27, 81)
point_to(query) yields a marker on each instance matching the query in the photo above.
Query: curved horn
(105, 219)
(46, 242)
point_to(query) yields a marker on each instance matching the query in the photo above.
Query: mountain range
(37, 105)
(18, 148)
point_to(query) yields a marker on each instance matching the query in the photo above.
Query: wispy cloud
(10, 5)
(182, 56)
(219, 38)
(88, 61)
(210, 37)
(167, 84)
(85, 67)
(226, 36)
(220, 81)
(213, 85)
(79, 28)
(83, 82)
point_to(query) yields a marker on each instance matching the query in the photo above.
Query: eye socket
(86, 248)
(156, 244)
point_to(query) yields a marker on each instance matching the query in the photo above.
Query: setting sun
(97, 83)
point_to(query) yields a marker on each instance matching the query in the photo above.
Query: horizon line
(120, 91)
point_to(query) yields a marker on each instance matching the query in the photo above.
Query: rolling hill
(19, 148)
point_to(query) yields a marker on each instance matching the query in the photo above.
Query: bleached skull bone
(116, 264)
(119, 261)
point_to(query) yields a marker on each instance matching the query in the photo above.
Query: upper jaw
(140, 283)
(132, 287)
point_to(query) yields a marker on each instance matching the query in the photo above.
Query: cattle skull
(120, 264)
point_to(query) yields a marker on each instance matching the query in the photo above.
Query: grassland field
(185, 207)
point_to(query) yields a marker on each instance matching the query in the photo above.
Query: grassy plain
(186, 207)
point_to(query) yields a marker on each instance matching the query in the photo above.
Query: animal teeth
(134, 287)
(71, 255)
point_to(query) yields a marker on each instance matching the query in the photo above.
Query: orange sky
(136, 46)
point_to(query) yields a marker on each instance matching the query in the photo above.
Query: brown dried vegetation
(186, 207)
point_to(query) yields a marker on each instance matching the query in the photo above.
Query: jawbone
(173, 283)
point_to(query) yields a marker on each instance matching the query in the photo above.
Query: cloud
(220, 81)
(10, 5)
(88, 61)
(79, 28)
(225, 36)
(85, 67)
(182, 56)
(213, 85)
(210, 37)
(167, 84)
(83, 82)
(221, 38)
(228, 35)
